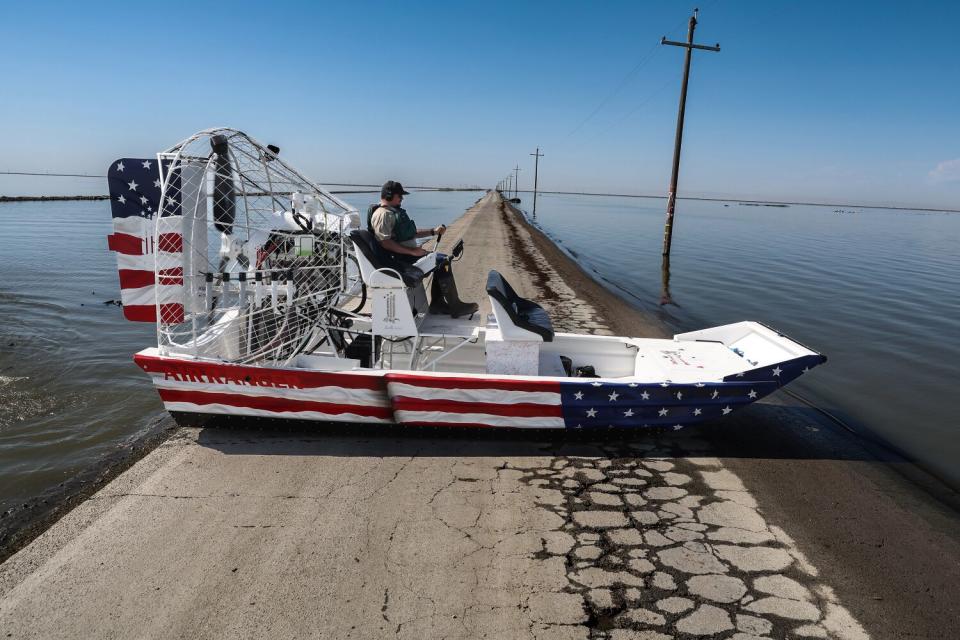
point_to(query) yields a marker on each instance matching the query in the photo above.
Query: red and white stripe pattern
(439, 399)
(460, 401)
(150, 267)
(193, 386)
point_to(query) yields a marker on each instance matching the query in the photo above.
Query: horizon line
(576, 193)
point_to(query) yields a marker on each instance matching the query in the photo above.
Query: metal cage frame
(262, 296)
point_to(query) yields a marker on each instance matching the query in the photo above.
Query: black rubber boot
(456, 306)
(444, 298)
(438, 304)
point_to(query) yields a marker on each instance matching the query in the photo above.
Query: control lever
(303, 221)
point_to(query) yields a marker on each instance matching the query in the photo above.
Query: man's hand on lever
(438, 231)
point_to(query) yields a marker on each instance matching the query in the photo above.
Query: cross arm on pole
(688, 45)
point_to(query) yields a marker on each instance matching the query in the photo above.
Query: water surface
(877, 291)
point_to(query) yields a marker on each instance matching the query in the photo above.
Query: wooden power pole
(536, 164)
(672, 198)
(516, 184)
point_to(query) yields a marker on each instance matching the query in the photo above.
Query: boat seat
(517, 317)
(369, 252)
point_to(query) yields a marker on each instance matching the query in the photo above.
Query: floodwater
(876, 290)
(69, 391)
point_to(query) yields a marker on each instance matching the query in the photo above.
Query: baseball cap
(391, 188)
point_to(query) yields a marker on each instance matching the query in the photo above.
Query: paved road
(224, 533)
(771, 525)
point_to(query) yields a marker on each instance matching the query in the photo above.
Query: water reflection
(665, 297)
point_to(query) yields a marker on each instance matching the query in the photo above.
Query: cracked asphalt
(767, 526)
(240, 534)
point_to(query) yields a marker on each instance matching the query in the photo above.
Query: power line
(639, 106)
(623, 82)
(328, 184)
(55, 175)
(647, 57)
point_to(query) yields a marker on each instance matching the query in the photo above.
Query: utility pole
(509, 185)
(516, 185)
(536, 163)
(672, 198)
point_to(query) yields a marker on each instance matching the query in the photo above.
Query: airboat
(270, 301)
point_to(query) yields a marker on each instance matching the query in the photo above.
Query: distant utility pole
(672, 199)
(509, 184)
(516, 184)
(536, 163)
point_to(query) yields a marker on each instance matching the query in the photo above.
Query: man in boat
(397, 234)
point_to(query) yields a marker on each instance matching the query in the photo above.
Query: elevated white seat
(395, 287)
(513, 346)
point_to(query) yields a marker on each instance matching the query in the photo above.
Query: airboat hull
(417, 398)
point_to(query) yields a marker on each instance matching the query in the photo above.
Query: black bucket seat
(524, 313)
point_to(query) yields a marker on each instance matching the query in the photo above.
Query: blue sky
(827, 101)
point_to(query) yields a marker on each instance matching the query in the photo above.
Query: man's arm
(393, 246)
(426, 233)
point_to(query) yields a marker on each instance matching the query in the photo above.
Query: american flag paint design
(204, 387)
(151, 269)
(448, 400)
(782, 372)
(484, 402)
